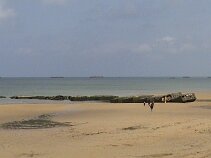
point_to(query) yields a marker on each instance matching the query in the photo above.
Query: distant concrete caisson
(173, 97)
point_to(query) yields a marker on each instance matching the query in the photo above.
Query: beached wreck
(173, 97)
(176, 98)
(59, 97)
(181, 98)
(71, 98)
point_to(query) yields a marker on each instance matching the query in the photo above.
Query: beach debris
(40, 122)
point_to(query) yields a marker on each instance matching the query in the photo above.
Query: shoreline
(200, 96)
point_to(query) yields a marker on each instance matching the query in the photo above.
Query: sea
(79, 86)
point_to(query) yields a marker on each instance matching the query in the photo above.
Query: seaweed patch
(40, 122)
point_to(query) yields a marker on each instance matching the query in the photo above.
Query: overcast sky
(105, 37)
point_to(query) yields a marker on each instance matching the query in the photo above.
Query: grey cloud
(165, 45)
(120, 34)
(126, 9)
(6, 12)
(167, 39)
(55, 2)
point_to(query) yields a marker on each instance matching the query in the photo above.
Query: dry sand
(104, 130)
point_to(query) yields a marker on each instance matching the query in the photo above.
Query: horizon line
(104, 76)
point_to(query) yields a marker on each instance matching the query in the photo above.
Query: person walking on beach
(152, 105)
(150, 102)
(145, 101)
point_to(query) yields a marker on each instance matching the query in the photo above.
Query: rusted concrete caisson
(173, 97)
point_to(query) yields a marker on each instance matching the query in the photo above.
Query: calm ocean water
(124, 86)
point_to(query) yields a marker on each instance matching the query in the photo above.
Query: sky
(116, 38)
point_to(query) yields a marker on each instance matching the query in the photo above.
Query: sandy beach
(105, 79)
(110, 130)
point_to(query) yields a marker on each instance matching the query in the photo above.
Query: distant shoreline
(57, 77)
(105, 77)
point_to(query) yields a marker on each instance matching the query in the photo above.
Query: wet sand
(105, 130)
